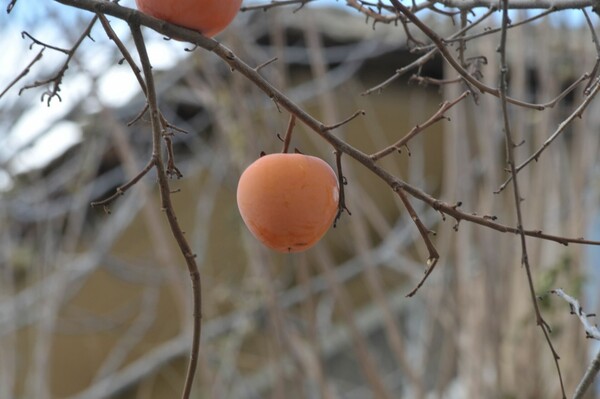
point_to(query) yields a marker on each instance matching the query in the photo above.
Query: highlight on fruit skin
(288, 201)
(209, 17)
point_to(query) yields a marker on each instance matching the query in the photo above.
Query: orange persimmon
(288, 201)
(209, 17)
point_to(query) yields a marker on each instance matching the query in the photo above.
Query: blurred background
(96, 303)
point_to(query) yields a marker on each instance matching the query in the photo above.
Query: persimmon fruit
(209, 17)
(288, 201)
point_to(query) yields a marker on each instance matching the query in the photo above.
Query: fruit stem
(288, 134)
(341, 183)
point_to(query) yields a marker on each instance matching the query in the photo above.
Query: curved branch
(24, 72)
(427, 56)
(439, 43)
(521, 4)
(561, 128)
(57, 79)
(167, 206)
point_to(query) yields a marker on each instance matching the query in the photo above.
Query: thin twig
(24, 72)
(273, 4)
(264, 64)
(368, 9)
(596, 42)
(510, 153)
(370, 13)
(342, 123)
(520, 4)
(426, 80)
(288, 133)
(341, 187)
(565, 92)
(425, 57)
(441, 46)
(44, 45)
(58, 77)
(10, 6)
(124, 51)
(433, 254)
(123, 188)
(486, 32)
(172, 170)
(139, 116)
(439, 115)
(561, 128)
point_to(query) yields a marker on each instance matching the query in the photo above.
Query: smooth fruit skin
(209, 17)
(288, 201)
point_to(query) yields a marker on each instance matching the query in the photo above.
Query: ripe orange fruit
(209, 17)
(288, 201)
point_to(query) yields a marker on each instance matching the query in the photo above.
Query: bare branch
(433, 254)
(24, 72)
(520, 4)
(426, 57)
(439, 115)
(510, 154)
(123, 49)
(123, 188)
(495, 30)
(167, 206)
(44, 45)
(439, 42)
(266, 63)
(342, 189)
(288, 133)
(588, 378)
(275, 3)
(596, 42)
(561, 128)
(425, 80)
(57, 79)
(591, 331)
(10, 6)
(342, 123)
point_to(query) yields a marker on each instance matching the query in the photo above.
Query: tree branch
(439, 115)
(591, 331)
(58, 77)
(123, 188)
(588, 377)
(165, 192)
(427, 56)
(442, 48)
(561, 128)
(510, 154)
(520, 4)
(24, 72)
